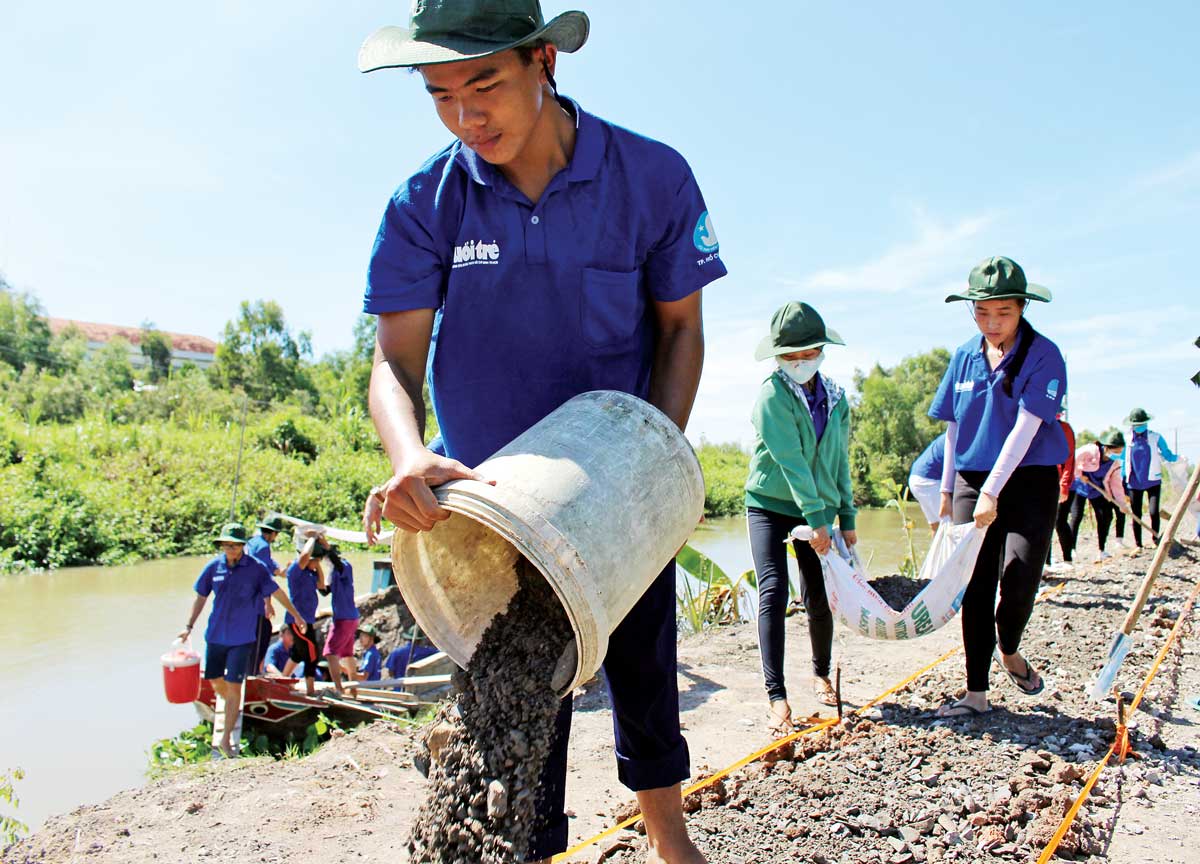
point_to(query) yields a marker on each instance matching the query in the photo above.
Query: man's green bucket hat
(274, 523)
(446, 31)
(1000, 278)
(795, 326)
(1113, 438)
(1139, 415)
(231, 532)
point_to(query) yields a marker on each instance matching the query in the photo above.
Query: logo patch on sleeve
(704, 237)
(1052, 389)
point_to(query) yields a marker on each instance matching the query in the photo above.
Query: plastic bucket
(599, 496)
(181, 674)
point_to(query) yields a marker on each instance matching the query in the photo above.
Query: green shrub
(725, 467)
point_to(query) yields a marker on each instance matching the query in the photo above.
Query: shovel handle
(1160, 554)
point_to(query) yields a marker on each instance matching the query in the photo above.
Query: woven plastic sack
(948, 566)
(1178, 472)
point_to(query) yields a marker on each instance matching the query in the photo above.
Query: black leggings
(1153, 494)
(1012, 556)
(768, 536)
(1062, 527)
(1103, 512)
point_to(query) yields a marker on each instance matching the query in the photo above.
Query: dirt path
(896, 787)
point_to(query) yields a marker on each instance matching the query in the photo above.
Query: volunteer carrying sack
(948, 567)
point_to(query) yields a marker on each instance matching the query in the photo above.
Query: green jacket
(791, 472)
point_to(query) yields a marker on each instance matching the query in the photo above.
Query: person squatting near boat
(1147, 451)
(799, 475)
(1000, 398)
(586, 247)
(1098, 482)
(239, 584)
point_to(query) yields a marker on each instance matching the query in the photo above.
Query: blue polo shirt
(261, 549)
(973, 396)
(370, 663)
(341, 585)
(539, 302)
(818, 406)
(929, 463)
(238, 594)
(278, 656)
(302, 588)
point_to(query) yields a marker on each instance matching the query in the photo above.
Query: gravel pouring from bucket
(598, 496)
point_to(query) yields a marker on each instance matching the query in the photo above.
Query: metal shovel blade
(1117, 652)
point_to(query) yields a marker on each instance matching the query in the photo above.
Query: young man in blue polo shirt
(240, 583)
(552, 253)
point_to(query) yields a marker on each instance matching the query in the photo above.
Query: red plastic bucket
(181, 674)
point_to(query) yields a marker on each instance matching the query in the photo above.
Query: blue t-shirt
(341, 585)
(397, 662)
(929, 464)
(539, 302)
(1097, 477)
(277, 656)
(261, 549)
(973, 396)
(369, 664)
(302, 588)
(237, 602)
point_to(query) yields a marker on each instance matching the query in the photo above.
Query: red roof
(104, 332)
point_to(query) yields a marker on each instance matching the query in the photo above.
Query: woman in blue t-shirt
(1000, 397)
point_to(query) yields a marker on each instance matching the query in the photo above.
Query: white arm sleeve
(1016, 445)
(948, 471)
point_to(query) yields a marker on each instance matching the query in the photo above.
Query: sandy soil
(895, 786)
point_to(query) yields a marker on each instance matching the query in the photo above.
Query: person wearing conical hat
(1000, 398)
(1143, 470)
(1098, 482)
(239, 583)
(558, 254)
(799, 475)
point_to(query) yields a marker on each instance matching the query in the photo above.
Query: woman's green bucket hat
(274, 523)
(1000, 278)
(447, 31)
(231, 532)
(1139, 415)
(796, 326)
(1113, 438)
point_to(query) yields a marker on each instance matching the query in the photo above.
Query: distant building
(185, 347)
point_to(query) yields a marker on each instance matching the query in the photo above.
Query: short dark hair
(525, 52)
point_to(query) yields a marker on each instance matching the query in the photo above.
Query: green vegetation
(714, 598)
(910, 566)
(105, 462)
(11, 828)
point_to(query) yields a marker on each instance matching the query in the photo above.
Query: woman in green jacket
(799, 475)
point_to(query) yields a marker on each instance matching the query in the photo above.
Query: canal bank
(82, 687)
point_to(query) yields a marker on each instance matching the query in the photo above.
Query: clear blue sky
(164, 162)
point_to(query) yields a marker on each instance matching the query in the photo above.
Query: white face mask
(801, 371)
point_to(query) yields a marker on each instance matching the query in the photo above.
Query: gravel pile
(897, 784)
(486, 750)
(896, 590)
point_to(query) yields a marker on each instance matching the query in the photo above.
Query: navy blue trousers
(640, 671)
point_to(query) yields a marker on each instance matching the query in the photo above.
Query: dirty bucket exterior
(599, 496)
(181, 675)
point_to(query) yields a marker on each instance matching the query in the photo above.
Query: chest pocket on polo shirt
(611, 306)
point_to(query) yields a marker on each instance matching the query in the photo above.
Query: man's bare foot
(226, 748)
(679, 855)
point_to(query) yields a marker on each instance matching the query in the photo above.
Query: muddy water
(81, 683)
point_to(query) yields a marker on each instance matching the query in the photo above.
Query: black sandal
(1024, 682)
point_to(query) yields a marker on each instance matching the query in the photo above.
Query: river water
(82, 683)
